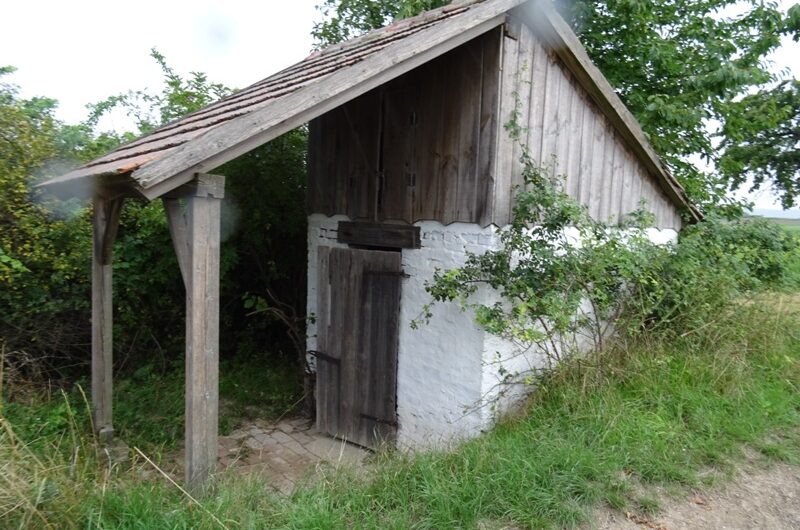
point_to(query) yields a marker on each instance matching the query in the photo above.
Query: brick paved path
(284, 452)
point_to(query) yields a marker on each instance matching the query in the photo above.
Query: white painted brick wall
(440, 364)
(448, 369)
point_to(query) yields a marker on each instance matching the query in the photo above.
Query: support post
(105, 223)
(196, 235)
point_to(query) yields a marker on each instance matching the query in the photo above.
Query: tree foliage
(681, 66)
(45, 245)
(761, 142)
(42, 268)
(178, 97)
(345, 19)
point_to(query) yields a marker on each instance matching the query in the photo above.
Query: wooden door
(358, 309)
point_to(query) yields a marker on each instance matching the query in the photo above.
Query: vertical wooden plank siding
(572, 158)
(524, 89)
(565, 125)
(328, 383)
(202, 339)
(617, 184)
(398, 159)
(504, 163)
(596, 175)
(435, 149)
(359, 295)
(636, 186)
(448, 143)
(566, 94)
(551, 99)
(587, 155)
(444, 151)
(490, 128)
(105, 222)
(468, 74)
(535, 123)
(628, 203)
(430, 128)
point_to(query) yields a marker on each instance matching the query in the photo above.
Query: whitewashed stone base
(448, 374)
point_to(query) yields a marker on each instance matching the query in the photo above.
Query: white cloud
(84, 51)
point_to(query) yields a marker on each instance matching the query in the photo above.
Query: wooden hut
(409, 166)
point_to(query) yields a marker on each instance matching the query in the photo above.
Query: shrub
(567, 283)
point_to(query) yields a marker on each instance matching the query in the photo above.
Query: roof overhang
(201, 142)
(152, 174)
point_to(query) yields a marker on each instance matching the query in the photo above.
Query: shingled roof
(203, 140)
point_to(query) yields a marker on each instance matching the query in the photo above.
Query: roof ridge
(425, 16)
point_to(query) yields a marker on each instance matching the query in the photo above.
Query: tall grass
(601, 430)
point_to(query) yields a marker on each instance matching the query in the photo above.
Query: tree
(345, 19)
(45, 258)
(178, 97)
(679, 65)
(42, 252)
(761, 142)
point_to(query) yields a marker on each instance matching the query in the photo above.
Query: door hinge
(379, 420)
(400, 274)
(324, 357)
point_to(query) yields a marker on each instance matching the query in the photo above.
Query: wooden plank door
(358, 308)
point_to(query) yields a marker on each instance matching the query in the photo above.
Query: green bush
(45, 244)
(564, 279)
(715, 263)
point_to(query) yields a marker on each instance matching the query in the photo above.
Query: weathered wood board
(433, 145)
(357, 336)
(385, 235)
(421, 147)
(105, 224)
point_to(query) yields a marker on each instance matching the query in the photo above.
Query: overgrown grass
(149, 404)
(601, 431)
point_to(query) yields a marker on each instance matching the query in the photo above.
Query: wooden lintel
(202, 185)
(384, 235)
(105, 223)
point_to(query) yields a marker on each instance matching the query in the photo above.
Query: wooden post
(105, 224)
(196, 235)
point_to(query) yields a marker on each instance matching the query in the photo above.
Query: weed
(659, 413)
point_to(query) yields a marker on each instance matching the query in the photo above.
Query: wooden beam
(105, 223)
(179, 230)
(230, 140)
(203, 186)
(387, 235)
(202, 244)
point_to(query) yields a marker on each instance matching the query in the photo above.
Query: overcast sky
(82, 51)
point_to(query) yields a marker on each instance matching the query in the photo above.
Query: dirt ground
(758, 498)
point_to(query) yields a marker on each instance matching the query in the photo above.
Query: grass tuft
(657, 415)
